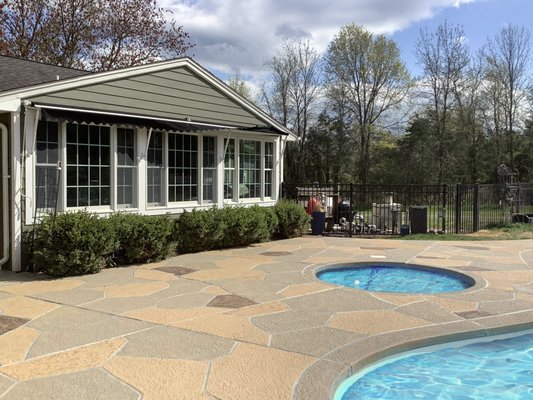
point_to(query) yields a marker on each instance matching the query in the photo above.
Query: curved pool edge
(479, 282)
(324, 376)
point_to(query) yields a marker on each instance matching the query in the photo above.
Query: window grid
(182, 167)
(126, 167)
(46, 165)
(88, 165)
(209, 166)
(155, 170)
(249, 169)
(229, 168)
(269, 165)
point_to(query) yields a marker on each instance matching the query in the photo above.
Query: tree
(90, 34)
(240, 86)
(444, 56)
(470, 108)
(291, 96)
(507, 56)
(370, 71)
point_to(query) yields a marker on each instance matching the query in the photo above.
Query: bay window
(101, 168)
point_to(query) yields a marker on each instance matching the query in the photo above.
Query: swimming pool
(485, 369)
(399, 278)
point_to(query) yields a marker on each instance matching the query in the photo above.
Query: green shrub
(292, 219)
(198, 230)
(142, 238)
(73, 243)
(244, 226)
(222, 228)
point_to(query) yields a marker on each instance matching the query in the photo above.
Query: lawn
(499, 232)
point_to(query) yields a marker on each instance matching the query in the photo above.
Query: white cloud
(238, 36)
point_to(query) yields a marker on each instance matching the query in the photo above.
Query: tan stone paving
(15, 344)
(25, 307)
(188, 328)
(74, 360)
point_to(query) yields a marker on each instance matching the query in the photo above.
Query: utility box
(418, 219)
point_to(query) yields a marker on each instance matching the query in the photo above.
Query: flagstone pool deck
(249, 323)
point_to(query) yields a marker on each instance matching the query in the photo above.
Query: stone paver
(74, 360)
(162, 379)
(86, 385)
(245, 323)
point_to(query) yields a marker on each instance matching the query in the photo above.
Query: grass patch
(496, 232)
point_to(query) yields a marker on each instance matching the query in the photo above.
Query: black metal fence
(350, 209)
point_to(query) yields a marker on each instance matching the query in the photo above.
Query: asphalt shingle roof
(16, 73)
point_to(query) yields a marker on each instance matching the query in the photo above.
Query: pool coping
(354, 357)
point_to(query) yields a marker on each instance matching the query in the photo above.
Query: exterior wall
(176, 94)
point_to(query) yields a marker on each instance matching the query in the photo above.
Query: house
(153, 139)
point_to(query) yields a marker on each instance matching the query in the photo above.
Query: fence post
(457, 208)
(444, 198)
(475, 211)
(350, 227)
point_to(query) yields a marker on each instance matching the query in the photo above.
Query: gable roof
(18, 73)
(178, 89)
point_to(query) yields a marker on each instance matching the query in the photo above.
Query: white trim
(143, 138)
(5, 194)
(16, 187)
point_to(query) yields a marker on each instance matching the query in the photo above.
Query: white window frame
(264, 170)
(141, 176)
(112, 173)
(212, 169)
(135, 179)
(163, 171)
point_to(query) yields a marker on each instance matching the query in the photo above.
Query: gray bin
(418, 219)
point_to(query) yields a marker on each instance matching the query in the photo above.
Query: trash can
(418, 219)
(404, 229)
(318, 222)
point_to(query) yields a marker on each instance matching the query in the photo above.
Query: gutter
(5, 197)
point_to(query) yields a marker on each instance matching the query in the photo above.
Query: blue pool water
(488, 370)
(396, 278)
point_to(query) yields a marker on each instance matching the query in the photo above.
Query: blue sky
(480, 20)
(238, 36)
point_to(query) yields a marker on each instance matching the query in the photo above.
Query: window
(46, 166)
(156, 169)
(229, 168)
(126, 168)
(209, 165)
(182, 167)
(249, 169)
(269, 165)
(88, 165)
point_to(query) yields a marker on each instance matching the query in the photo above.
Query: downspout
(5, 197)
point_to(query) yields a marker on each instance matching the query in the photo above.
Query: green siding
(176, 93)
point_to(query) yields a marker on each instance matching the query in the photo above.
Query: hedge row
(75, 243)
